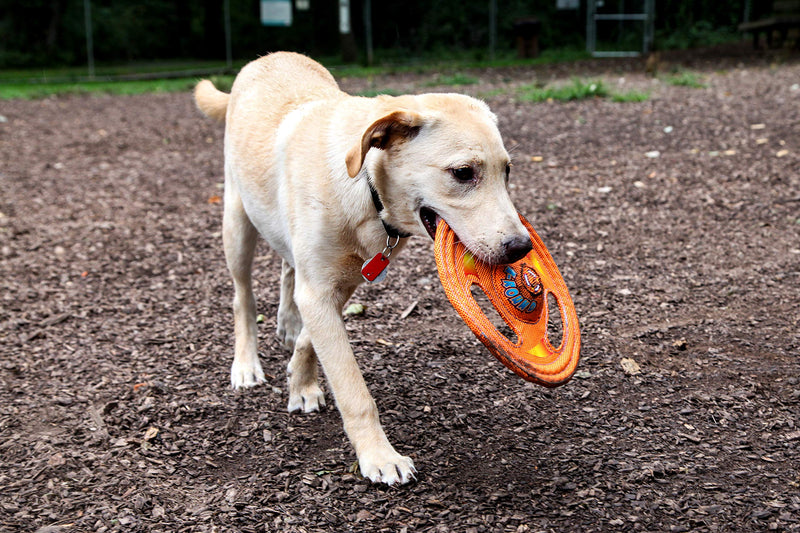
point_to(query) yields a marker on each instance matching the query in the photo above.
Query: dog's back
(269, 83)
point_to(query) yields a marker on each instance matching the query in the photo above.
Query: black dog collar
(393, 232)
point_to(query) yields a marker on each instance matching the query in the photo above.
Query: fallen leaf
(653, 154)
(260, 318)
(355, 310)
(139, 386)
(151, 433)
(757, 126)
(630, 367)
(762, 140)
(537, 158)
(215, 199)
(729, 152)
(781, 153)
(408, 310)
(56, 459)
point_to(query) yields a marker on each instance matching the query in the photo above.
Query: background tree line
(52, 32)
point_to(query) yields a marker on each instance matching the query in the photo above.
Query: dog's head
(441, 157)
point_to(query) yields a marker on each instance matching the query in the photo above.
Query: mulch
(675, 222)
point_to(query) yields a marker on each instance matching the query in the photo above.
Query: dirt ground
(675, 222)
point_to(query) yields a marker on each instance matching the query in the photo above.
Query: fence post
(87, 19)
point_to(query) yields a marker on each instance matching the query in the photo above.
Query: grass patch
(454, 80)
(577, 90)
(223, 83)
(686, 79)
(182, 75)
(492, 93)
(401, 61)
(43, 90)
(156, 69)
(372, 93)
(630, 97)
(29, 91)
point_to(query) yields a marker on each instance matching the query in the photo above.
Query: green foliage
(492, 93)
(577, 90)
(42, 90)
(36, 33)
(372, 93)
(630, 97)
(701, 33)
(455, 80)
(223, 83)
(686, 79)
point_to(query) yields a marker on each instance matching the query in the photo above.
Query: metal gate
(598, 11)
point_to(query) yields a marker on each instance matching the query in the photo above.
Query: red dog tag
(374, 270)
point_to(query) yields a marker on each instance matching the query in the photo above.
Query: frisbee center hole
(491, 313)
(555, 329)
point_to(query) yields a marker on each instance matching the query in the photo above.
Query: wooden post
(228, 46)
(87, 19)
(492, 28)
(349, 50)
(368, 30)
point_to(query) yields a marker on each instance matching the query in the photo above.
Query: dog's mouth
(430, 220)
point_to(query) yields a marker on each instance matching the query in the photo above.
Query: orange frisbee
(519, 293)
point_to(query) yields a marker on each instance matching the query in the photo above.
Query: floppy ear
(380, 134)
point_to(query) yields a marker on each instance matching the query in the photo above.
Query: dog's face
(446, 160)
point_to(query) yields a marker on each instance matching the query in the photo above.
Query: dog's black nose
(516, 248)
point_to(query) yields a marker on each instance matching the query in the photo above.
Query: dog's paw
(246, 374)
(307, 399)
(289, 326)
(387, 466)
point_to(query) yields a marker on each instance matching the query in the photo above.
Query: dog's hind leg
(304, 392)
(239, 239)
(289, 321)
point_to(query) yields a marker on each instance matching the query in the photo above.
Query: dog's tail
(211, 101)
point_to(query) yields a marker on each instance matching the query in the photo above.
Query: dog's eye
(463, 173)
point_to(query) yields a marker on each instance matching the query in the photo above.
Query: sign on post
(276, 12)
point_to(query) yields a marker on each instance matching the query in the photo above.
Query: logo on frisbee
(523, 290)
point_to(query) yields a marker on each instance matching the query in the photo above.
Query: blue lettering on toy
(512, 292)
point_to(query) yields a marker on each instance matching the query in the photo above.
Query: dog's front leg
(320, 308)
